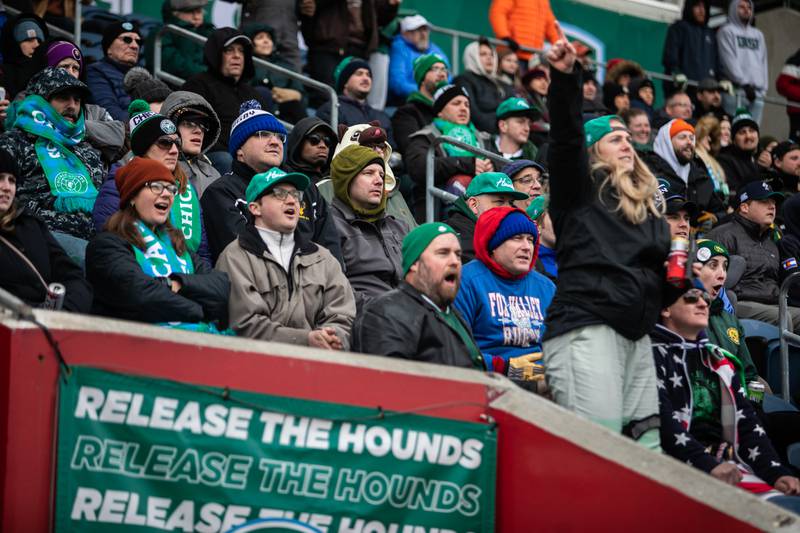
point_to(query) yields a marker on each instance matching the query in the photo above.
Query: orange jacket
(528, 22)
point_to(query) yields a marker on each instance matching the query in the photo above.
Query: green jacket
(179, 56)
(725, 330)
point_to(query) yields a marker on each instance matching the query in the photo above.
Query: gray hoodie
(743, 52)
(198, 168)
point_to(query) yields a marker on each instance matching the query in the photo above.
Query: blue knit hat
(515, 223)
(250, 120)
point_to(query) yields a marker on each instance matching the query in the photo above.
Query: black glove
(512, 44)
(750, 92)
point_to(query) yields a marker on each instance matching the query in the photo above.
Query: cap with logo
(758, 190)
(260, 184)
(493, 183)
(516, 107)
(675, 200)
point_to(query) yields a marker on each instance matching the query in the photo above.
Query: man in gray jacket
(285, 288)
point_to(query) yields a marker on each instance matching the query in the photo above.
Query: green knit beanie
(706, 249)
(423, 64)
(599, 127)
(345, 167)
(418, 240)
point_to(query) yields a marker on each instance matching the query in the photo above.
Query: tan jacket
(267, 304)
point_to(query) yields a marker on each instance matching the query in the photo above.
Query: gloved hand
(514, 45)
(749, 92)
(727, 86)
(680, 81)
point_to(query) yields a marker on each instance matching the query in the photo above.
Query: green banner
(139, 454)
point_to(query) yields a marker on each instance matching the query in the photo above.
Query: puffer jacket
(105, 80)
(400, 323)
(33, 191)
(180, 56)
(462, 219)
(529, 23)
(691, 48)
(401, 65)
(268, 304)
(674, 356)
(761, 279)
(371, 250)
(610, 271)
(199, 169)
(224, 93)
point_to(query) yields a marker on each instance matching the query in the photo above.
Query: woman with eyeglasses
(154, 136)
(198, 127)
(142, 268)
(612, 248)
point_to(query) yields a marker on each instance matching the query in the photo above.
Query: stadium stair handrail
(787, 335)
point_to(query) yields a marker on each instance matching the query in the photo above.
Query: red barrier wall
(544, 481)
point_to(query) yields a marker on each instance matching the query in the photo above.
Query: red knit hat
(132, 177)
(488, 224)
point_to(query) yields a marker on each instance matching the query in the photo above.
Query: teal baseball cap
(516, 107)
(493, 183)
(599, 127)
(261, 183)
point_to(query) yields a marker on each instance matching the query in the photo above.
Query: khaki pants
(607, 378)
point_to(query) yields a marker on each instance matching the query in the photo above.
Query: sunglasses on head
(316, 138)
(128, 40)
(695, 295)
(167, 142)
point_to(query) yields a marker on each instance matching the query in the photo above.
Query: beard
(685, 157)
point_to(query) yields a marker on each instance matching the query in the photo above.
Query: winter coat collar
(251, 242)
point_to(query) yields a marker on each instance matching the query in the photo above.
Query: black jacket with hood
(740, 167)
(691, 48)
(17, 69)
(224, 93)
(789, 245)
(410, 118)
(699, 189)
(610, 271)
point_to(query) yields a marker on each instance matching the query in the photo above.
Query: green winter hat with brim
(345, 166)
(599, 127)
(493, 183)
(706, 249)
(516, 107)
(423, 64)
(262, 183)
(418, 240)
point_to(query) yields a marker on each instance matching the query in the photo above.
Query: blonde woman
(612, 246)
(708, 135)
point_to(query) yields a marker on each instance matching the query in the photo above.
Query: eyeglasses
(192, 125)
(157, 187)
(316, 138)
(694, 295)
(528, 180)
(128, 40)
(165, 143)
(266, 135)
(283, 194)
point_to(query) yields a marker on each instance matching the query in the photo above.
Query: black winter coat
(691, 48)
(789, 246)
(327, 30)
(225, 94)
(463, 221)
(410, 118)
(484, 97)
(761, 279)
(123, 290)
(609, 270)
(400, 323)
(740, 167)
(700, 189)
(17, 69)
(31, 237)
(225, 212)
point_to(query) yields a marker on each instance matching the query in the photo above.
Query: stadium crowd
(230, 205)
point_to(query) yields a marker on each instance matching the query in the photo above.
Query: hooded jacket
(180, 56)
(610, 271)
(636, 100)
(34, 193)
(224, 93)
(506, 316)
(789, 245)
(16, 69)
(485, 93)
(678, 368)
(198, 168)
(461, 218)
(294, 148)
(743, 52)
(691, 48)
(268, 303)
(761, 278)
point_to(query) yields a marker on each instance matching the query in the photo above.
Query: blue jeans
(732, 103)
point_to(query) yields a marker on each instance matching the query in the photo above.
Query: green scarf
(69, 179)
(417, 96)
(185, 215)
(159, 260)
(466, 134)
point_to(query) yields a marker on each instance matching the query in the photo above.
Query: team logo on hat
(718, 249)
(76, 54)
(442, 229)
(31, 34)
(167, 126)
(704, 254)
(127, 26)
(504, 182)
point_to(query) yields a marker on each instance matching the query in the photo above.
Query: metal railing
(305, 80)
(787, 335)
(431, 191)
(457, 35)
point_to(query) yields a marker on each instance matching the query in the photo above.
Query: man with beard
(709, 99)
(59, 170)
(738, 158)
(353, 82)
(502, 298)
(417, 320)
(417, 112)
(673, 159)
(413, 41)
